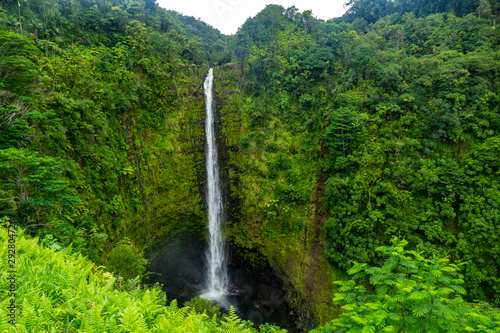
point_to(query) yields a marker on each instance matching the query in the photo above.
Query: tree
(484, 9)
(408, 293)
(32, 184)
(13, 127)
(16, 69)
(127, 260)
(341, 133)
(136, 38)
(319, 61)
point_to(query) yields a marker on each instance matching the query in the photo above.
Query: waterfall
(217, 278)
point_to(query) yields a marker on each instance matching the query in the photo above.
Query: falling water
(217, 279)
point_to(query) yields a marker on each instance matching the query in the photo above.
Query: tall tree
(33, 185)
(16, 69)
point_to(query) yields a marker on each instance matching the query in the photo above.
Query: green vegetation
(95, 122)
(402, 113)
(127, 261)
(336, 136)
(410, 293)
(66, 292)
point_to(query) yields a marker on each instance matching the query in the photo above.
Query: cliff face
(171, 163)
(277, 236)
(170, 187)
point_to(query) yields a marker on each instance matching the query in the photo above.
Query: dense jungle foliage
(74, 77)
(404, 116)
(384, 122)
(63, 291)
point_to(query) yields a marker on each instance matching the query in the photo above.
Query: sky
(228, 15)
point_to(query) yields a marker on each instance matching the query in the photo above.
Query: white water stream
(217, 277)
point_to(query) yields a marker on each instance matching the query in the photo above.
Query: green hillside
(358, 132)
(336, 136)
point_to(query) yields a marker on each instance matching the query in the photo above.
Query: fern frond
(132, 321)
(5, 326)
(232, 324)
(173, 307)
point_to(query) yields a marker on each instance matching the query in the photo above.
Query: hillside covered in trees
(337, 137)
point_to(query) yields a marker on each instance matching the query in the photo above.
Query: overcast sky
(229, 15)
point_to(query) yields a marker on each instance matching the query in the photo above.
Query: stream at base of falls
(257, 295)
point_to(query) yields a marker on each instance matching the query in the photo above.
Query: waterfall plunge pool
(256, 294)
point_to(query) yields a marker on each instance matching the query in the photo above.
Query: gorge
(188, 266)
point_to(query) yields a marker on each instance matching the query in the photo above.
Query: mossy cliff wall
(265, 230)
(171, 163)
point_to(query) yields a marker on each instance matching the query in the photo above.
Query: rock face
(174, 230)
(170, 158)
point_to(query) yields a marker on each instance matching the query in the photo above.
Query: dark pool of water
(256, 294)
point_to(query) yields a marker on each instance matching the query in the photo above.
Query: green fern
(133, 321)
(64, 292)
(232, 324)
(5, 326)
(173, 307)
(93, 321)
(412, 294)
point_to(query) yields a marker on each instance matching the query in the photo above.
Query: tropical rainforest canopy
(363, 150)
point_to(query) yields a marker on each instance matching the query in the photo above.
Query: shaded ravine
(256, 293)
(179, 264)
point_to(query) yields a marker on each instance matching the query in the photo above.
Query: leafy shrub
(204, 306)
(256, 118)
(292, 225)
(283, 162)
(408, 293)
(245, 142)
(127, 260)
(280, 163)
(291, 194)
